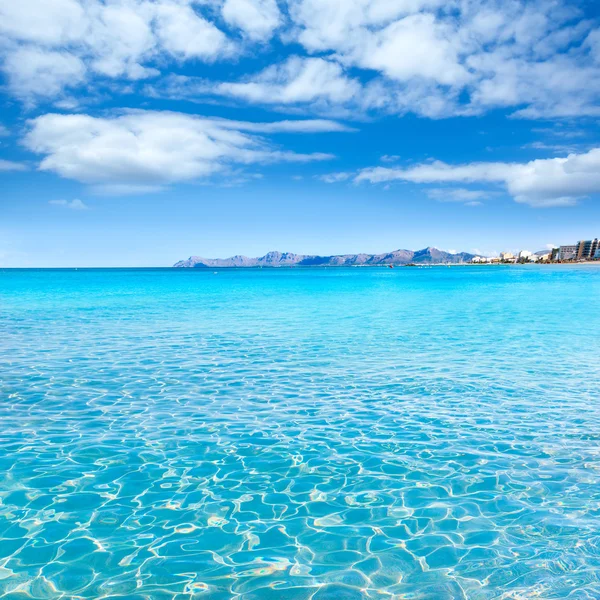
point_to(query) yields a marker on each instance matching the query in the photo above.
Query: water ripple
(300, 435)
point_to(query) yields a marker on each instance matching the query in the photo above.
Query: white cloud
(48, 46)
(326, 24)
(75, 204)
(9, 165)
(54, 23)
(287, 126)
(334, 177)
(561, 86)
(185, 34)
(416, 47)
(143, 150)
(33, 72)
(256, 18)
(539, 58)
(119, 38)
(561, 130)
(297, 80)
(540, 183)
(430, 57)
(593, 43)
(554, 148)
(468, 197)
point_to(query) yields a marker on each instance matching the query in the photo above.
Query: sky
(140, 132)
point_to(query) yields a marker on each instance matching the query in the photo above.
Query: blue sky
(139, 132)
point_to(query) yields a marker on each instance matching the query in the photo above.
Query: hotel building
(568, 252)
(587, 249)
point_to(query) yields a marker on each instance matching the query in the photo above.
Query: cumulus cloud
(294, 81)
(48, 46)
(256, 18)
(326, 24)
(120, 37)
(540, 183)
(538, 59)
(33, 73)
(476, 57)
(145, 150)
(59, 22)
(183, 33)
(414, 47)
(75, 204)
(316, 84)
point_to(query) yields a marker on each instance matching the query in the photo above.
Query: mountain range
(427, 256)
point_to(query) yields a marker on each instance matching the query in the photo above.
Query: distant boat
(391, 266)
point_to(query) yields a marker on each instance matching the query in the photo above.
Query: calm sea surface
(290, 434)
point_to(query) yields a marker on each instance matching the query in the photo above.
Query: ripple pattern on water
(310, 434)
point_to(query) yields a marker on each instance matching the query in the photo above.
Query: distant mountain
(427, 256)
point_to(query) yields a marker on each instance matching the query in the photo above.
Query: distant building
(568, 252)
(586, 249)
(554, 253)
(479, 259)
(508, 256)
(542, 255)
(525, 255)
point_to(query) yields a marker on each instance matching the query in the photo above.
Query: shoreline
(297, 267)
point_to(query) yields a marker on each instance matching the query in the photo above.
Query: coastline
(387, 266)
(304, 267)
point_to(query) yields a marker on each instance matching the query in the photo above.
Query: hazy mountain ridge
(428, 255)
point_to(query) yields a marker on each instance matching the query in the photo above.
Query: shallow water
(292, 434)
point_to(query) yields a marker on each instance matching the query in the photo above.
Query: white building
(568, 252)
(525, 255)
(507, 256)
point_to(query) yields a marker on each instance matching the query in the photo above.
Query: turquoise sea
(415, 433)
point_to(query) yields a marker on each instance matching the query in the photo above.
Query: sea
(300, 433)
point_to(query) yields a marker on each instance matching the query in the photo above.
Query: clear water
(295, 434)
